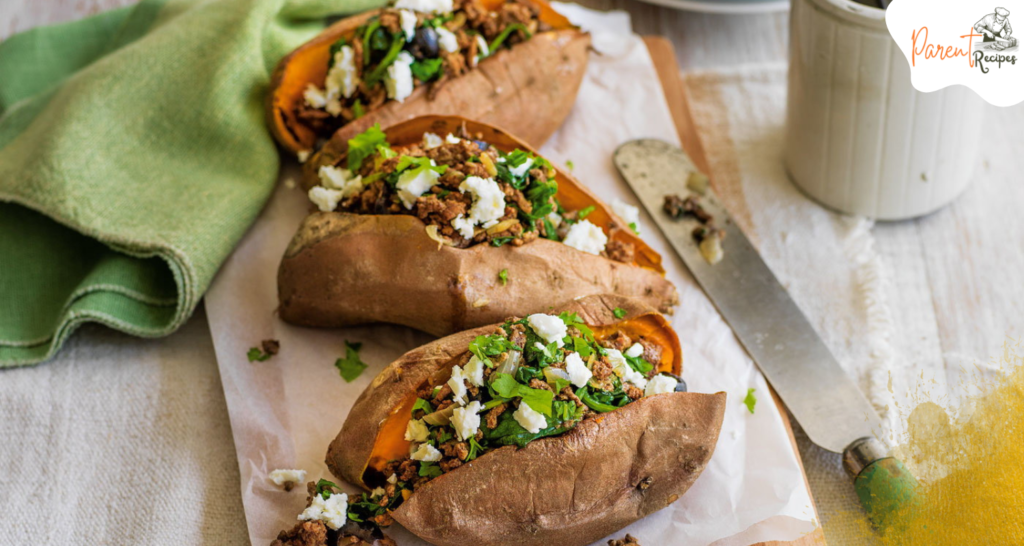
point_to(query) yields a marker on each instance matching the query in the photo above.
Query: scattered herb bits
(351, 366)
(750, 400)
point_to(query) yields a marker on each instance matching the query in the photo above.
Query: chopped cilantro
(421, 164)
(255, 354)
(619, 312)
(485, 347)
(422, 404)
(503, 276)
(570, 165)
(750, 400)
(351, 366)
(364, 145)
(475, 449)
(501, 241)
(633, 226)
(585, 212)
(506, 386)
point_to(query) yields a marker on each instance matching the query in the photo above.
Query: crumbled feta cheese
(377, 492)
(474, 371)
(488, 199)
(635, 351)
(660, 384)
(393, 479)
(414, 182)
(624, 370)
(332, 511)
(522, 168)
(463, 225)
(447, 40)
(458, 385)
(426, 6)
(452, 139)
(398, 80)
(466, 421)
(425, 452)
(304, 155)
(431, 141)
(549, 327)
(481, 49)
(282, 476)
(325, 199)
(408, 22)
(314, 96)
(416, 431)
(529, 419)
(335, 178)
(586, 237)
(628, 213)
(579, 374)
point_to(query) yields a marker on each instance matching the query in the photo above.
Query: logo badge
(952, 42)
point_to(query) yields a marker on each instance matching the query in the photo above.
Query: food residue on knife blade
(708, 237)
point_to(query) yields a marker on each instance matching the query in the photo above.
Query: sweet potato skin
(343, 269)
(571, 489)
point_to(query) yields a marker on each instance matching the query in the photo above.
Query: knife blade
(780, 339)
(777, 335)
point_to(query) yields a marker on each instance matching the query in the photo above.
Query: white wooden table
(954, 294)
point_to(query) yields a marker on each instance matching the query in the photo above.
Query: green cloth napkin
(133, 157)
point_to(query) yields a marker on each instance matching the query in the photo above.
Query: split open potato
(604, 456)
(514, 63)
(386, 263)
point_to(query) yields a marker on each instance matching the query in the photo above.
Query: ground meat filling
(372, 54)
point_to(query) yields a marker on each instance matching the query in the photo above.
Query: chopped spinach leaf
(619, 312)
(255, 354)
(430, 470)
(506, 386)
(427, 69)
(485, 347)
(422, 404)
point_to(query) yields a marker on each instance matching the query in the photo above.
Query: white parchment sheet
(285, 411)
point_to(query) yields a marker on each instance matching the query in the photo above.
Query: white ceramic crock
(859, 138)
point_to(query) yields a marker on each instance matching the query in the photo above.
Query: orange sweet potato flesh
(571, 489)
(343, 269)
(529, 88)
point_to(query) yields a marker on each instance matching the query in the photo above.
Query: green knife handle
(882, 483)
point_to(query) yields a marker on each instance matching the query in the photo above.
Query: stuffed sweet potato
(552, 429)
(441, 233)
(516, 63)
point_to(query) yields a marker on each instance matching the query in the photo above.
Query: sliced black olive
(424, 43)
(681, 385)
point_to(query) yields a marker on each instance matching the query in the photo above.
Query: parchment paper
(285, 411)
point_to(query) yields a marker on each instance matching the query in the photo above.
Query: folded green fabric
(133, 157)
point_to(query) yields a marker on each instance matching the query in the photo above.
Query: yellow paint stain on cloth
(971, 470)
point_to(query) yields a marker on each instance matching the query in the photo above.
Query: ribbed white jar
(859, 138)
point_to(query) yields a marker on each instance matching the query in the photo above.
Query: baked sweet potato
(528, 84)
(584, 480)
(344, 269)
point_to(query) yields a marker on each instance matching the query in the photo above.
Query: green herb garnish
(427, 69)
(633, 226)
(493, 46)
(503, 276)
(422, 404)
(750, 400)
(430, 470)
(485, 347)
(377, 73)
(325, 488)
(570, 165)
(351, 366)
(619, 312)
(585, 212)
(506, 386)
(364, 145)
(256, 354)
(357, 109)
